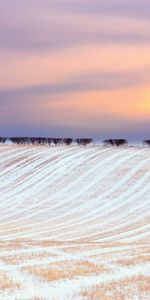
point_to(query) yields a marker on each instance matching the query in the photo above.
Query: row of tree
(121, 142)
(64, 141)
(45, 141)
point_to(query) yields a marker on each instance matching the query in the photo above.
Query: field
(74, 223)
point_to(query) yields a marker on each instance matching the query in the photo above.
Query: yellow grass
(134, 260)
(66, 270)
(8, 283)
(17, 260)
(119, 290)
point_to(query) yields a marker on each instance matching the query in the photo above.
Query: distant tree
(33, 140)
(146, 142)
(67, 141)
(49, 141)
(40, 140)
(84, 141)
(115, 142)
(16, 140)
(108, 142)
(24, 140)
(3, 140)
(57, 141)
(121, 142)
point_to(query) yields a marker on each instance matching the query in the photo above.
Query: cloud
(133, 8)
(72, 66)
(20, 70)
(48, 25)
(83, 83)
(107, 102)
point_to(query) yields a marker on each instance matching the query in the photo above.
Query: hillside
(74, 222)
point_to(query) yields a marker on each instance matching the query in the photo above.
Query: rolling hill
(74, 223)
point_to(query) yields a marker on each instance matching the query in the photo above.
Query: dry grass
(8, 246)
(7, 283)
(37, 298)
(17, 260)
(50, 243)
(34, 298)
(134, 260)
(119, 290)
(66, 270)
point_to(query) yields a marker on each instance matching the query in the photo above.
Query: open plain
(74, 223)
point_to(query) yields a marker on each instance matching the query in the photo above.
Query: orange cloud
(94, 108)
(19, 70)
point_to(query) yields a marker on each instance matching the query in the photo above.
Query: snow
(8, 142)
(85, 203)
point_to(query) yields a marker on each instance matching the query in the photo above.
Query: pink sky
(74, 68)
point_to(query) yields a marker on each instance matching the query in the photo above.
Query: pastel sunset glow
(74, 68)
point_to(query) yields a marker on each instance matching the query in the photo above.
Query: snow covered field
(74, 223)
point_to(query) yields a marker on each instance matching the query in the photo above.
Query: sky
(75, 68)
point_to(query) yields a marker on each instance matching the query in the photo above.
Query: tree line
(46, 141)
(64, 141)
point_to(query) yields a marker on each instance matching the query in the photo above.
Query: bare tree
(84, 141)
(3, 140)
(108, 142)
(49, 141)
(17, 140)
(57, 141)
(67, 141)
(146, 142)
(32, 140)
(115, 142)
